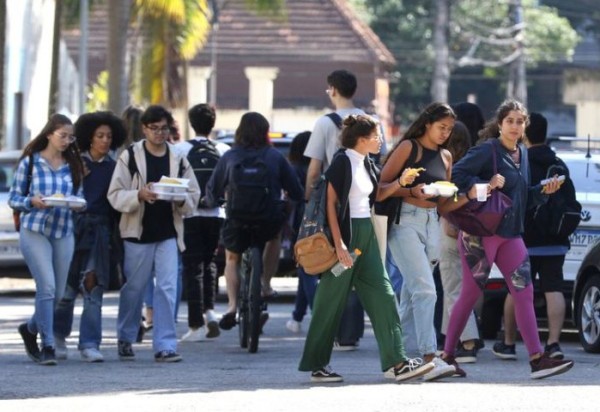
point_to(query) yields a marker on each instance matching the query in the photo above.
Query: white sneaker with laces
(91, 355)
(194, 335)
(293, 326)
(440, 370)
(60, 347)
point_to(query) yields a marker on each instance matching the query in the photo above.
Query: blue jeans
(90, 325)
(149, 293)
(48, 261)
(140, 260)
(307, 286)
(415, 245)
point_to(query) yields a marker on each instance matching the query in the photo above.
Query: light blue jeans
(140, 259)
(48, 261)
(414, 244)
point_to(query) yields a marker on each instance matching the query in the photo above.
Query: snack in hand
(414, 171)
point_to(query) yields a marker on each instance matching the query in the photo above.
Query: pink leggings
(510, 255)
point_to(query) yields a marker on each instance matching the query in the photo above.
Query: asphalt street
(220, 376)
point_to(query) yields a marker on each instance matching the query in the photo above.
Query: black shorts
(238, 235)
(550, 269)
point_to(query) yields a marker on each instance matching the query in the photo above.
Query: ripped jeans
(510, 255)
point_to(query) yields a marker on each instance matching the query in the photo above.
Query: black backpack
(561, 214)
(203, 157)
(249, 195)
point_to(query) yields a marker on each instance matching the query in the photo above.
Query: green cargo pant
(374, 290)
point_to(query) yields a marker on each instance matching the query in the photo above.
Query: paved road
(219, 376)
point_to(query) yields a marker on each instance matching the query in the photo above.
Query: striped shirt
(53, 222)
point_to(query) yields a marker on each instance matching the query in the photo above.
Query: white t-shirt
(183, 148)
(361, 187)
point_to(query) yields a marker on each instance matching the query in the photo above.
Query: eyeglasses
(159, 129)
(68, 137)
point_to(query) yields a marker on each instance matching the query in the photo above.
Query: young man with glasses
(152, 230)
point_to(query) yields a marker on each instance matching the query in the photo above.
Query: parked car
(10, 252)
(585, 300)
(585, 173)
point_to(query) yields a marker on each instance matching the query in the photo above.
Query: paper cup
(482, 189)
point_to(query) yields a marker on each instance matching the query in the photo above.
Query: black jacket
(339, 174)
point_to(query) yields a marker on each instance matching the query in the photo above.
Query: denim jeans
(305, 296)
(48, 261)
(414, 244)
(149, 292)
(140, 260)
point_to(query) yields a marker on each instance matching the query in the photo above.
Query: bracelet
(400, 182)
(467, 194)
(410, 191)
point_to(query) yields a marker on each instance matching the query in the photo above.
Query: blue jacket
(477, 167)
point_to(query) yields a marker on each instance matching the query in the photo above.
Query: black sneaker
(554, 351)
(125, 351)
(464, 355)
(227, 321)
(412, 368)
(47, 356)
(458, 372)
(325, 374)
(545, 366)
(30, 341)
(504, 351)
(168, 356)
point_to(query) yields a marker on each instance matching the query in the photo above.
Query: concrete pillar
(198, 84)
(261, 89)
(588, 121)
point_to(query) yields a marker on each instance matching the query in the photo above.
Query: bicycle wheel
(243, 301)
(255, 300)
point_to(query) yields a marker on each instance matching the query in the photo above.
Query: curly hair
(87, 124)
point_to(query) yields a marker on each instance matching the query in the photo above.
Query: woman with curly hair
(97, 134)
(50, 165)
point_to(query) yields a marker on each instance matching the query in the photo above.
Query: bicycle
(250, 302)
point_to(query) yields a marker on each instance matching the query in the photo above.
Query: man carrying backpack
(547, 243)
(201, 229)
(250, 177)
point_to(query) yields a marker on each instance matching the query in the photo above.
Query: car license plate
(581, 240)
(10, 250)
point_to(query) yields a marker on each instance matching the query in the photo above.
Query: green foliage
(97, 98)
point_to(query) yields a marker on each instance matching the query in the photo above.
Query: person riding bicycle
(251, 152)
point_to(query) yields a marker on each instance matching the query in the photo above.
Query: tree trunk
(54, 83)
(441, 70)
(517, 78)
(2, 62)
(118, 23)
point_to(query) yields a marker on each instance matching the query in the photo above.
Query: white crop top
(361, 188)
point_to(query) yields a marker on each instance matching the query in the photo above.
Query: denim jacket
(477, 166)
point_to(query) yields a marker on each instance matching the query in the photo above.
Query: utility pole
(212, 94)
(517, 83)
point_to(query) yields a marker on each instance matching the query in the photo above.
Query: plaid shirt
(54, 222)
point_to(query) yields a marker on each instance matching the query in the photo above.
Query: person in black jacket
(351, 189)
(546, 253)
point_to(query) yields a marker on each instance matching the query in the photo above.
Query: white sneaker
(60, 347)
(91, 355)
(212, 324)
(293, 326)
(195, 335)
(440, 370)
(389, 374)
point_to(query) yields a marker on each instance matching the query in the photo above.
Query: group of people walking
(69, 250)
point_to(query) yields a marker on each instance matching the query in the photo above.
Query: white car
(10, 252)
(584, 171)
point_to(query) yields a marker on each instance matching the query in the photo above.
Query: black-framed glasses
(159, 129)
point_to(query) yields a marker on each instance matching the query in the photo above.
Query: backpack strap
(131, 164)
(29, 175)
(336, 119)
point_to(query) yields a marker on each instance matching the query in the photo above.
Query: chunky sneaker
(458, 371)
(345, 347)
(168, 356)
(195, 335)
(412, 368)
(30, 341)
(60, 348)
(293, 326)
(91, 355)
(212, 324)
(464, 355)
(47, 356)
(125, 351)
(441, 370)
(554, 351)
(504, 351)
(545, 366)
(227, 321)
(324, 375)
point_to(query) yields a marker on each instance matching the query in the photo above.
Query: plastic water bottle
(339, 268)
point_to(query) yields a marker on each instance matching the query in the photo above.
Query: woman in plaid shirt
(46, 234)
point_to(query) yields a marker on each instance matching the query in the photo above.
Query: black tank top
(432, 162)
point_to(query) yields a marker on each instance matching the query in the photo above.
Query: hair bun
(350, 120)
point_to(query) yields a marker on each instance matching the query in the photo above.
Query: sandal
(227, 321)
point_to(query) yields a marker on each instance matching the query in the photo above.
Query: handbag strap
(494, 159)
